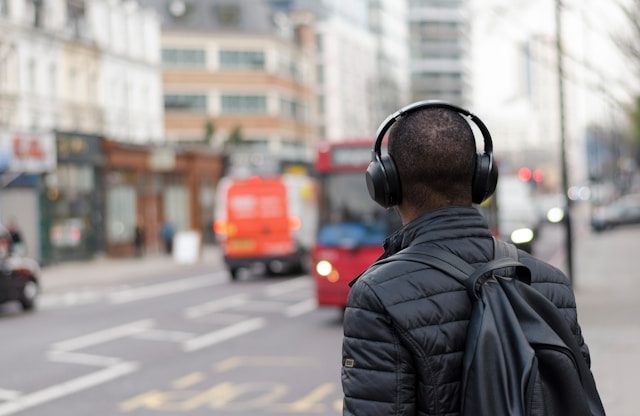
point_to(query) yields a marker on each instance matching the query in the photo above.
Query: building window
(176, 206)
(4, 8)
(435, 31)
(194, 58)
(185, 102)
(244, 104)
(242, 59)
(228, 14)
(38, 6)
(293, 109)
(53, 81)
(76, 21)
(73, 81)
(121, 214)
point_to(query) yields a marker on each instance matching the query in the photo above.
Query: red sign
(29, 152)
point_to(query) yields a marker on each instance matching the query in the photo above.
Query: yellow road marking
(311, 403)
(153, 399)
(229, 396)
(188, 380)
(235, 397)
(236, 362)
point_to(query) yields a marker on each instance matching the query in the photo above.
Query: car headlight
(555, 215)
(324, 268)
(522, 236)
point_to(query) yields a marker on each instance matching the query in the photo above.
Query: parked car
(18, 274)
(623, 211)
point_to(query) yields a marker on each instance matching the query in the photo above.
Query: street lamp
(563, 144)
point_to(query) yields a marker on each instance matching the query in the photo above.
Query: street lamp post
(563, 144)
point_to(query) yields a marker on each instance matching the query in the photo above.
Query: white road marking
(292, 285)
(225, 318)
(223, 334)
(161, 335)
(8, 394)
(66, 388)
(69, 299)
(104, 336)
(82, 359)
(167, 288)
(301, 308)
(262, 306)
(217, 305)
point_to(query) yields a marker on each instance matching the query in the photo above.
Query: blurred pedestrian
(405, 324)
(167, 233)
(14, 231)
(17, 240)
(138, 240)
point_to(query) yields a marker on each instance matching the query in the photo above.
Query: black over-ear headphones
(383, 180)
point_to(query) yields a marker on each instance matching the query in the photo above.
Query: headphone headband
(383, 178)
(421, 105)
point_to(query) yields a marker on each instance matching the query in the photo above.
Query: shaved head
(434, 151)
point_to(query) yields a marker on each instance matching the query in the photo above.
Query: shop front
(73, 200)
(24, 158)
(155, 191)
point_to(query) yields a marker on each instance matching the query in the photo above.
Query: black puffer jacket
(405, 324)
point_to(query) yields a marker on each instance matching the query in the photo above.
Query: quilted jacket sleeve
(377, 372)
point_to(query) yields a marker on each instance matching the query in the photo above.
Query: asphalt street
(195, 344)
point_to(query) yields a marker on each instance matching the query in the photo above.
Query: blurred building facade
(346, 69)
(72, 73)
(86, 66)
(237, 74)
(439, 33)
(388, 24)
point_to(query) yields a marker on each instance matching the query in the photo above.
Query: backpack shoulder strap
(438, 259)
(502, 249)
(454, 266)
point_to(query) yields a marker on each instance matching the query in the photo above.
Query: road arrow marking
(217, 305)
(224, 334)
(67, 388)
(8, 394)
(167, 288)
(301, 308)
(103, 336)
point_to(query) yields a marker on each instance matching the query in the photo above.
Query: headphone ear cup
(481, 186)
(376, 182)
(394, 188)
(492, 181)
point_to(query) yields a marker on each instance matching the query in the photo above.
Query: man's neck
(409, 213)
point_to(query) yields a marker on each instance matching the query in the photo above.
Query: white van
(517, 214)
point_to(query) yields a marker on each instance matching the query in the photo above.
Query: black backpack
(520, 358)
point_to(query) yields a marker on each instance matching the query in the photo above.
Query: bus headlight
(555, 215)
(324, 268)
(522, 236)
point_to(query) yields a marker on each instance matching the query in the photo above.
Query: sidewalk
(607, 286)
(108, 271)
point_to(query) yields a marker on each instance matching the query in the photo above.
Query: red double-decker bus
(352, 227)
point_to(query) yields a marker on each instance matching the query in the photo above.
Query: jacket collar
(440, 224)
